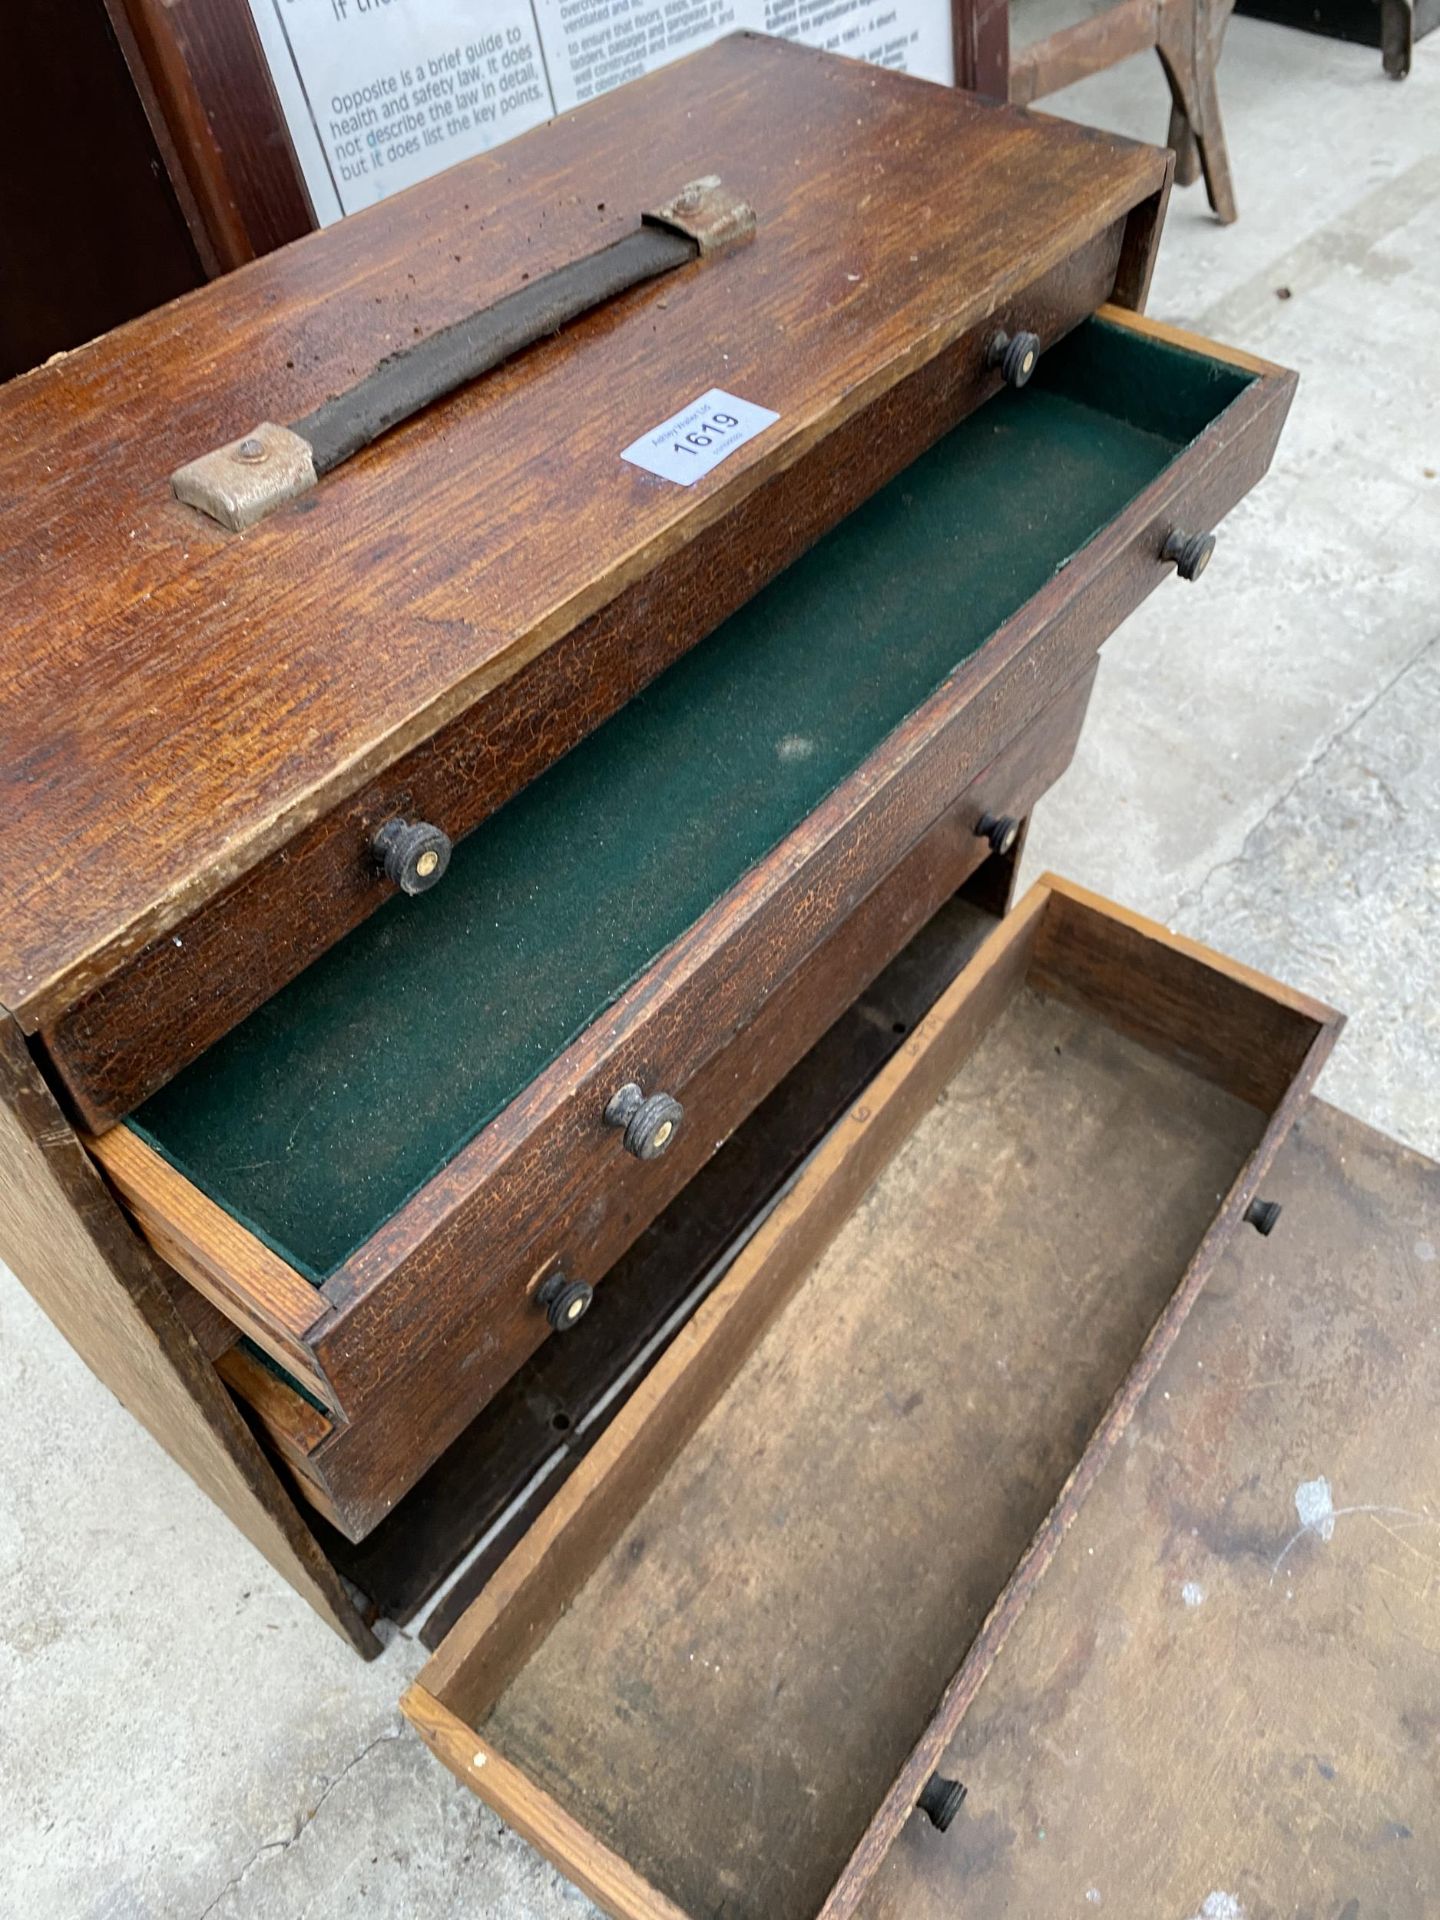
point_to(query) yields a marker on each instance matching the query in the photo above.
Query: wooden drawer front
(193, 983)
(312, 1132)
(181, 706)
(354, 1471)
(646, 1689)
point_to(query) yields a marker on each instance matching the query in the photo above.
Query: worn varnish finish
(355, 1472)
(686, 1247)
(71, 1247)
(654, 1635)
(1204, 1698)
(164, 1008)
(179, 703)
(417, 1308)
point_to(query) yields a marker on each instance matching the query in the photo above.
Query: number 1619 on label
(694, 441)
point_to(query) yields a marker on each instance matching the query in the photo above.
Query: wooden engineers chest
(456, 875)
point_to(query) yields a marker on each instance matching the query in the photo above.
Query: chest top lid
(177, 701)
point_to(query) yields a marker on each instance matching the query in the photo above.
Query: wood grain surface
(679, 1256)
(725, 1584)
(1118, 956)
(795, 1595)
(1224, 1700)
(430, 1316)
(177, 996)
(532, 1813)
(85, 247)
(263, 1295)
(178, 702)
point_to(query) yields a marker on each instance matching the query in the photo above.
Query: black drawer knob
(1190, 551)
(650, 1122)
(1262, 1215)
(941, 1801)
(565, 1301)
(413, 854)
(1000, 829)
(1016, 355)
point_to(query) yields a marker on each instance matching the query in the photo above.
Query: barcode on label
(694, 441)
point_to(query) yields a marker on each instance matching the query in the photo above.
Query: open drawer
(212, 730)
(354, 1471)
(378, 1174)
(723, 1667)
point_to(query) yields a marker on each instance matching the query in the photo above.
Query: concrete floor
(180, 1737)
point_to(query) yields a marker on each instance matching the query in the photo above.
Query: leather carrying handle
(241, 482)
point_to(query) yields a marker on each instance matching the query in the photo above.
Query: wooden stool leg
(1188, 44)
(1181, 142)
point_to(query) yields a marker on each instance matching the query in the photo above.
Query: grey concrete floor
(180, 1737)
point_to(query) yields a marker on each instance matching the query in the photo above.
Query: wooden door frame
(205, 84)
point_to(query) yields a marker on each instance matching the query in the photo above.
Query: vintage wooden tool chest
(458, 855)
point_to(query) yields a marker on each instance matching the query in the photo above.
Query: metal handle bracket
(242, 481)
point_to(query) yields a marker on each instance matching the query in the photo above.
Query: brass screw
(427, 863)
(663, 1132)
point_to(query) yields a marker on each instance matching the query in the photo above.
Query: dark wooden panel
(209, 85)
(179, 702)
(86, 246)
(1356, 20)
(980, 30)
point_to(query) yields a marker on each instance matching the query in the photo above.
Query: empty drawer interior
(727, 1697)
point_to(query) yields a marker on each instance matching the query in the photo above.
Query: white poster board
(378, 94)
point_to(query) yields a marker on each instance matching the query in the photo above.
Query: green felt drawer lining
(318, 1117)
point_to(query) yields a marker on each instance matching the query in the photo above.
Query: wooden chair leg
(1188, 43)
